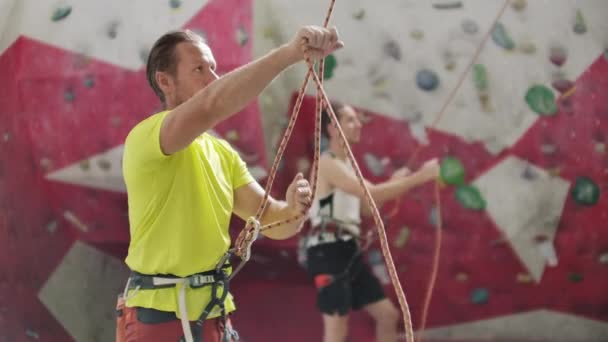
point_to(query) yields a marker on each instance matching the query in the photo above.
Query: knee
(388, 316)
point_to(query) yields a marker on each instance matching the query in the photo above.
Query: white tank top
(338, 206)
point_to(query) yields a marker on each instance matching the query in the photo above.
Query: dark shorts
(351, 284)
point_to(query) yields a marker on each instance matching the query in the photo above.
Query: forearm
(279, 211)
(235, 90)
(394, 188)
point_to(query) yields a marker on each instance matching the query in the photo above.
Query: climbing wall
(73, 85)
(522, 144)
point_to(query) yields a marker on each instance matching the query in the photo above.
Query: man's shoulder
(146, 123)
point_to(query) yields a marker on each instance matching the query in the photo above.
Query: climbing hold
(558, 55)
(447, 5)
(6, 136)
(470, 197)
(529, 173)
(46, 163)
(469, 26)
(519, 5)
(392, 49)
(600, 148)
(175, 4)
(359, 14)
(89, 81)
(524, 278)
(143, 54)
(462, 277)
(480, 296)
(402, 238)
(527, 47)
(548, 148)
(61, 13)
(417, 34)
(427, 80)
(241, 36)
(603, 259)
(85, 165)
(554, 171)
(580, 26)
(575, 277)
(331, 63)
(104, 164)
(449, 59)
(51, 227)
(541, 100)
(562, 85)
(585, 192)
(112, 30)
(374, 164)
(501, 37)
(31, 333)
(68, 95)
(480, 76)
(451, 171)
(232, 135)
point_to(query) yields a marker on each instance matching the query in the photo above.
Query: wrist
(289, 53)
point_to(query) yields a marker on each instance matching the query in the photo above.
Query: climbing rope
(252, 228)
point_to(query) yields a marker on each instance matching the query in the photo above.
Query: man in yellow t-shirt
(183, 185)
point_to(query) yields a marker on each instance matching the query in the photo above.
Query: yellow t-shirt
(179, 211)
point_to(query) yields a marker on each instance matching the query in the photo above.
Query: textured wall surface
(522, 144)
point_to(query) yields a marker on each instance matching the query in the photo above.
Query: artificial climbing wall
(522, 143)
(73, 85)
(519, 122)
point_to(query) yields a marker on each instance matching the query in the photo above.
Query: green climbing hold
(470, 197)
(585, 192)
(541, 100)
(61, 13)
(580, 26)
(480, 76)
(501, 37)
(328, 69)
(401, 240)
(452, 171)
(480, 296)
(575, 277)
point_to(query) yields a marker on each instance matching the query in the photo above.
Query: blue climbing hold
(427, 80)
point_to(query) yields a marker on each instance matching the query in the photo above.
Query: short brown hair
(325, 120)
(162, 56)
